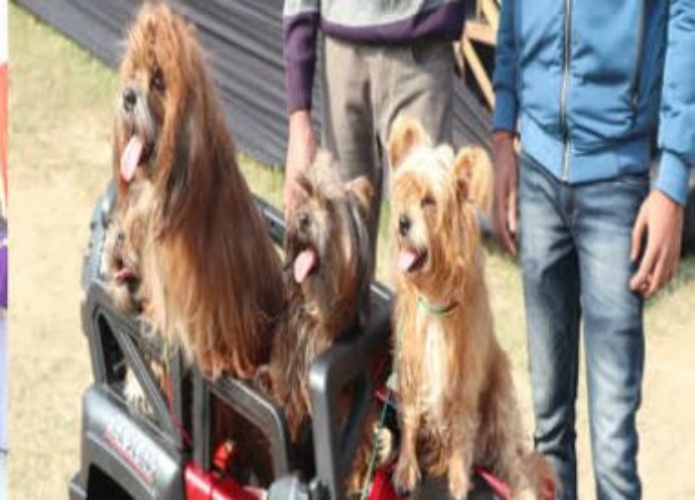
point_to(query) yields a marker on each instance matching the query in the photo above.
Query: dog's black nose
(129, 99)
(403, 224)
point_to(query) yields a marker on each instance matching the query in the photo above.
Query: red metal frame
(201, 485)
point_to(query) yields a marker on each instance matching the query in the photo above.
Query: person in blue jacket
(594, 90)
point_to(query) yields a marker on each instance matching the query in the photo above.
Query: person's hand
(301, 148)
(506, 176)
(661, 220)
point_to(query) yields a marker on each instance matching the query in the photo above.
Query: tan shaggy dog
(329, 271)
(209, 269)
(457, 403)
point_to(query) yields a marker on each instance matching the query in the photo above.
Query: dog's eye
(428, 201)
(304, 221)
(158, 80)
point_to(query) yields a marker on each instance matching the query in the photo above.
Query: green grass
(59, 160)
(78, 94)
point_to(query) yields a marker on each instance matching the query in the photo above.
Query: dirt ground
(60, 113)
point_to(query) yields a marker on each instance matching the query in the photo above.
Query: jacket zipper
(637, 77)
(563, 94)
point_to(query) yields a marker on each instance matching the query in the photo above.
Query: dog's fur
(208, 268)
(329, 270)
(457, 402)
(123, 255)
(124, 243)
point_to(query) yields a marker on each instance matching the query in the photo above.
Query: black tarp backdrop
(244, 41)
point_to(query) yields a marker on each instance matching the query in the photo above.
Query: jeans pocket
(532, 175)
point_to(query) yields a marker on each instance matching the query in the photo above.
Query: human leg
(551, 296)
(613, 330)
(349, 131)
(415, 80)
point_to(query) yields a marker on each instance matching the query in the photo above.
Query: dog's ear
(474, 176)
(181, 152)
(304, 185)
(462, 171)
(405, 133)
(361, 190)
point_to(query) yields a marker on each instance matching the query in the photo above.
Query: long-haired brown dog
(457, 402)
(208, 265)
(329, 271)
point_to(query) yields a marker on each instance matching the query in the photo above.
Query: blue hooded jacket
(589, 83)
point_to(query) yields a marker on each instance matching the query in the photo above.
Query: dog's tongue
(131, 157)
(124, 274)
(406, 259)
(303, 264)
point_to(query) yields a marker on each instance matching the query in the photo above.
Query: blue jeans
(575, 252)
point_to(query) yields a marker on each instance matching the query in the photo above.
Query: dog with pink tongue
(328, 274)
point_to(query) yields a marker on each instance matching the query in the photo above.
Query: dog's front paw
(135, 396)
(459, 483)
(406, 476)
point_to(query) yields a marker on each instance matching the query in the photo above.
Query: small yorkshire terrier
(329, 271)
(209, 275)
(122, 255)
(457, 402)
(126, 236)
